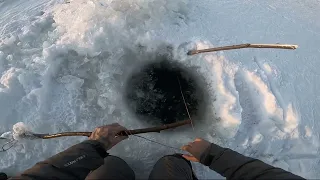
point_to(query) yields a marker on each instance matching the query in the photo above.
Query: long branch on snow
(241, 46)
(123, 133)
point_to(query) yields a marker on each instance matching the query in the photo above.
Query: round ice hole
(160, 91)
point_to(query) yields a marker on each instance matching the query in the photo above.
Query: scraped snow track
(67, 71)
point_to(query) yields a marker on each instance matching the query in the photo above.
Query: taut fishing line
(153, 141)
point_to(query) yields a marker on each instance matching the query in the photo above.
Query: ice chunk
(71, 82)
(7, 135)
(102, 102)
(91, 94)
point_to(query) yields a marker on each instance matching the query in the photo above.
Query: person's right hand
(107, 135)
(195, 148)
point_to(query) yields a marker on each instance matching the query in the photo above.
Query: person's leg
(113, 168)
(172, 167)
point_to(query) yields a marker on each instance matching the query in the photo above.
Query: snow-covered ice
(63, 65)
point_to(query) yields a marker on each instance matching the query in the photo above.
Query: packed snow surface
(63, 65)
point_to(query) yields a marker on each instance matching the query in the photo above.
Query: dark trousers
(168, 167)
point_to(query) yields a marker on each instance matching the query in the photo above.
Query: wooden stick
(240, 46)
(123, 133)
(155, 129)
(51, 136)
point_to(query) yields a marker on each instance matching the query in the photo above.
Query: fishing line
(153, 141)
(185, 104)
(150, 140)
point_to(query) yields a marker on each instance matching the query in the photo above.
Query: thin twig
(240, 46)
(123, 133)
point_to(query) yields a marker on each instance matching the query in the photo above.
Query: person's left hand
(107, 135)
(195, 148)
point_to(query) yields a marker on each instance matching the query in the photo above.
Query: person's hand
(107, 135)
(195, 148)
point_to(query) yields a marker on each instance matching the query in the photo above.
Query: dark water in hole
(153, 93)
